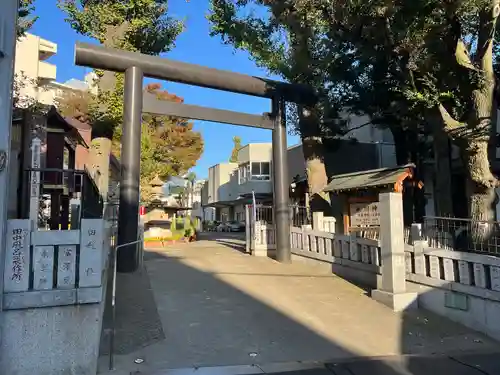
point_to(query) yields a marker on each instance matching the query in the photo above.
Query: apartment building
(37, 76)
(230, 185)
(32, 67)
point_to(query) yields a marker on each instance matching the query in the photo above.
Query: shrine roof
(374, 178)
(54, 118)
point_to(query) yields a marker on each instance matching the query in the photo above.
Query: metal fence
(264, 214)
(299, 215)
(69, 186)
(467, 235)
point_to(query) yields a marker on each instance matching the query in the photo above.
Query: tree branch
(450, 124)
(357, 127)
(462, 55)
(487, 23)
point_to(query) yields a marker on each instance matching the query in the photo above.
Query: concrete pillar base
(271, 253)
(396, 301)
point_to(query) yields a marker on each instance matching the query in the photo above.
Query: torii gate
(136, 66)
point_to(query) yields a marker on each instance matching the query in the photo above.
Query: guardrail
(113, 301)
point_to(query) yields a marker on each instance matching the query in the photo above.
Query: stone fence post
(318, 221)
(418, 244)
(248, 230)
(393, 291)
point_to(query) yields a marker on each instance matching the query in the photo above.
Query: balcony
(258, 187)
(46, 49)
(46, 71)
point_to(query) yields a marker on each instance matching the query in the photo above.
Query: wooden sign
(364, 214)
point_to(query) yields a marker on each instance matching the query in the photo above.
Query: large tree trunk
(473, 135)
(313, 150)
(481, 183)
(100, 151)
(309, 116)
(102, 134)
(442, 174)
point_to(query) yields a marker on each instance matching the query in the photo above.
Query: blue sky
(193, 46)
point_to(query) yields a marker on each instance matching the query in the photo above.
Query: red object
(142, 211)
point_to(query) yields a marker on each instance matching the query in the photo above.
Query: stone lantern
(157, 188)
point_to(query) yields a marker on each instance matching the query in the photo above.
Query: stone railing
(335, 247)
(323, 223)
(356, 259)
(460, 285)
(468, 272)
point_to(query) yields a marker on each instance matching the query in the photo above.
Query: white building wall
(196, 208)
(261, 151)
(31, 67)
(220, 176)
(244, 154)
(37, 76)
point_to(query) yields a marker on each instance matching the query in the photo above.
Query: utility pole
(8, 26)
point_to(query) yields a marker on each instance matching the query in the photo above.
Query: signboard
(17, 257)
(66, 266)
(364, 214)
(43, 267)
(91, 243)
(35, 182)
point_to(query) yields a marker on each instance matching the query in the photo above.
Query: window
(256, 171)
(261, 171)
(244, 173)
(264, 169)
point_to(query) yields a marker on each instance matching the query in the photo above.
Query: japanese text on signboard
(364, 214)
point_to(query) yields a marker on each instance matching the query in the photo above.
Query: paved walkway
(208, 304)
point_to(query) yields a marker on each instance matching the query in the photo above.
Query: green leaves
(169, 146)
(147, 26)
(26, 19)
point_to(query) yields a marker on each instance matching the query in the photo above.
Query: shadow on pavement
(177, 316)
(232, 245)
